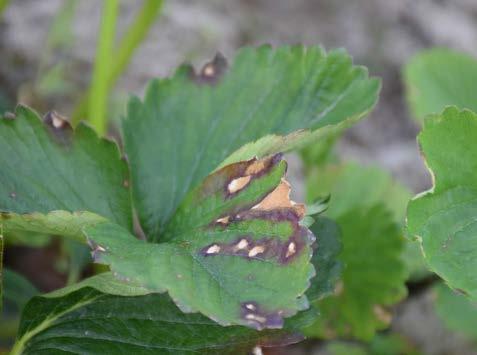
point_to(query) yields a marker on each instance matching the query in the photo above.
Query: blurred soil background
(380, 34)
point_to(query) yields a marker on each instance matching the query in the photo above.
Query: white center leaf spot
(256, 318)
(291, 249)
(238, 184)
(242, 244)
(214, 249)
(223, 220)
(209, 70)
(259, 249)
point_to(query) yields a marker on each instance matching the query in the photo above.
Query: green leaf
(46, 166)
(55, 223)
(456, 311)
(440, 77)
(324, 258)
(91, 318)
(443, 218)
(389, 344)
(234, 263)
(352, 186)
(374, 273)
(189, 124)
(372, 279)
(17, 289)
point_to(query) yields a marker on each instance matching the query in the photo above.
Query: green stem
(131, 40)
(134, 36)
(104, 55)
(3, 5)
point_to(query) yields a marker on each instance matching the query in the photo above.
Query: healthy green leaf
(440, 77)
(17, 289)
(443, 219)
(47, 166)
(352, 185)
(55, 223)
(324, 259)
(91, 318)
(388, 344)
(235, 250)
(372, 279)
(189, 124)
(456, 311)
(374, 273)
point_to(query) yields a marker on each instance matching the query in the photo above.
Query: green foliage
(443, 219)
(234, 264)
(388, 344)
(17, 292)
(456, 311)
(373, 276)
(232, 244)
(324, 259)
(109, 70)
(91, 318)
(47, 167)
(189, 124)
(374, 272)
(440, 77)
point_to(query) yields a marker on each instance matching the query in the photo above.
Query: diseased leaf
(191, 123)
(235, 250)
(91, 318)
(456, 311)
(443, 219)
(46, 166)
(374, 274)
(440, 77)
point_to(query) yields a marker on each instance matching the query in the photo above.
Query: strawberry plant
(442, 219)
(220, 259)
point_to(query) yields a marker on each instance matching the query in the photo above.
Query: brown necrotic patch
(211, 72)
(59, 128)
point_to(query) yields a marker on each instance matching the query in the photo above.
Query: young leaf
(440, 77)
(189, 124)
(46, 166)
(443, 219)
(235, 250)
(139, 323)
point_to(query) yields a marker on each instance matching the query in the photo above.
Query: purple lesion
(267, 248)
(257, 317)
